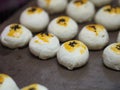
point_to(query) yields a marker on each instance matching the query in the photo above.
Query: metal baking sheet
(27, 69)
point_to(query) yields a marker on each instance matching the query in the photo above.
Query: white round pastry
(7, 83)
(15, 35)
(44, 46)
(53, 6)
(118, 38)
(81, 10)
(95, 36)
(34, 18)
(63, 27)
(111, 56)
(109, 17)
(73, 54)
(34, 87)
(101, 2)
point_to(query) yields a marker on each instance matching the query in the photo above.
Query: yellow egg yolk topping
(2, 77)
(44, 37)
(73, 45)
(34, 10)
(95, 28)
(80, 2)
(112, 10)
(48, 2)
(116, 48)
(63, 20)
(15, 31)
(31, 87)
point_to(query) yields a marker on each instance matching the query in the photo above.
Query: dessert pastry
(53, 6)
(118, 38)
(15, 35)
(111, 56)
(73, 54)
(81, 10)
(44, 45)
(95, 36)
(7, 83)
(34, 18)
(99, 3)
(63, 27)
(34, 87)
(109, 17)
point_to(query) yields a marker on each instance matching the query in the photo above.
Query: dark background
(8, 7)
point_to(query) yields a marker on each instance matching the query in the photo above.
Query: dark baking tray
(27, 69)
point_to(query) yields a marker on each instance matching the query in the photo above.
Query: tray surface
(27, 69)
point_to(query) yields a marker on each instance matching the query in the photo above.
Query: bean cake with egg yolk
(73, 54)
(44, 45)
(95, 36)
(53, 6)
(84, 10)
(99, 3)
(109, 17)
(15, 36)
(34, 18)
(111, 56)
(63, 27)
(7, 83)
(35, 87)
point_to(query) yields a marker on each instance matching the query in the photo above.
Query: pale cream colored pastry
(99, 3)
(34, 87)
(95, 36)
(7, 83)
(53, 6)
(44, 45)
(34, 18)
(81, 10)
(73, 54)
(111, 56)
(64, 27)
(15, 35)
(109, 17)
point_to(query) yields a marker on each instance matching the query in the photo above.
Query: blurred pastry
(44, 45)
(34, 18)
(34, 87)
(109, 17)
(111, 56)
(7, 83)
(73, 54)
(99, 3)
(15, 35)
(63, 27)
(53, 6)
(81, 10)
(95, 36)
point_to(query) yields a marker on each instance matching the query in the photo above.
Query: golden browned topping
(116, 48)
(15, 30)
(63, 20)
(45, 37)
(31, 87)
(1, 79)
(48, 2)
(34, 10)
(96, 28)
(73, 45)
(112, 10)
(80, 2)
